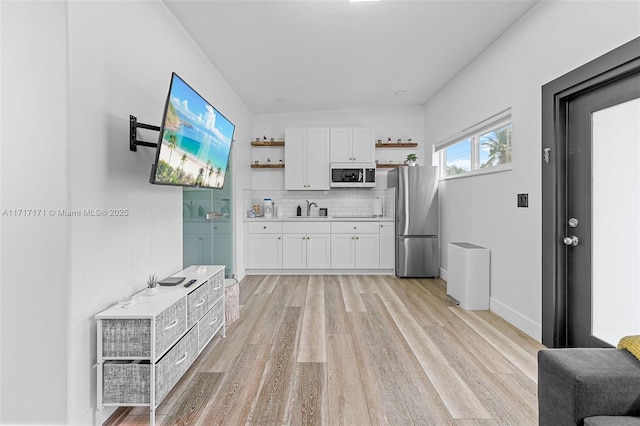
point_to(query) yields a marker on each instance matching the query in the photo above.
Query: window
(482, 148)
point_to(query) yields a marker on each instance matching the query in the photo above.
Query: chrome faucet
(309, 207)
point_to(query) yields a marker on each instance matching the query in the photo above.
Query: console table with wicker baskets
(146, 343)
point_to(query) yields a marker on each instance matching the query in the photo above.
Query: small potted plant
(152, 285)
(411, 159)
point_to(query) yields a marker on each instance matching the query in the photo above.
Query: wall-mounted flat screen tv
(195, 140)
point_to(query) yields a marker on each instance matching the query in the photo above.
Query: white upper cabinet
(340, 144)
(352, 144)
(364, 145)
(306, 158)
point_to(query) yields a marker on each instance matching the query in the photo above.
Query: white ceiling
(332, 54)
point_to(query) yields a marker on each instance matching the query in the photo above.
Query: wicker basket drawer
(215, 287)
(126, 338)
(197, 304)
(173, 365)
(126, 382)
(210, 323)
(170, 325)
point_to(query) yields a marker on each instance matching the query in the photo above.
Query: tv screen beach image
(195, 141)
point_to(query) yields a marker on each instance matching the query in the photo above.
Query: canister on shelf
(268, 207)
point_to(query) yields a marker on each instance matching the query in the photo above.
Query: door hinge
(547, 153)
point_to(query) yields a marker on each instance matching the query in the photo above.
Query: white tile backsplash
(355, 202)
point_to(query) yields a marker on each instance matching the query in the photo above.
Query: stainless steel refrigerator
(416, 192)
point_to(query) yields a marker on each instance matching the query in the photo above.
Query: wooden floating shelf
(397, 145)
(389, 166)
(267, 166)
(267, 143)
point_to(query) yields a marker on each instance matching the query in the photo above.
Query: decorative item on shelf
(256, 162)
(268, 160)
(152, 285)
(379, 140)
(411, 159)
(389, 140)
(280, 140)
(410, 140)
(280, 161)
(264, 138)
(257, 139)
(399, 141)
(272, 140)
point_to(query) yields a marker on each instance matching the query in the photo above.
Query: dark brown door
(583, 190)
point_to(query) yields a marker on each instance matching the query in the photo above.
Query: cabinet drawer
(215, 288)
(197, 304)
(215, 227)
(306, 227)
(355, 227)
(126, 382)
(265, 227)
(126, 338)
(210, 323)
(173, 365)
(170, 325)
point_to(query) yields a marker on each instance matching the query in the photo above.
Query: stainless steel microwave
(353, 175)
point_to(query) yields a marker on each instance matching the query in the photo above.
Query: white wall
(397, 123)
(551, 40)
(35, 252)
(111, 59)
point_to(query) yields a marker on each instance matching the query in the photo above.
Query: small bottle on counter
(299, 211)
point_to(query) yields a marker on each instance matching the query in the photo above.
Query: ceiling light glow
(400, 93)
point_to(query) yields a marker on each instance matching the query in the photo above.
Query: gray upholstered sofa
(591, 387)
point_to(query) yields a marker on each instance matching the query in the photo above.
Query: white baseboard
(527, 325)
(319, 272)
(444, 274)
(94, 417)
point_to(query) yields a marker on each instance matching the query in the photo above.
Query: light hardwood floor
(355, 350)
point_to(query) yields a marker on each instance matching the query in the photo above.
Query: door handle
(571, 241)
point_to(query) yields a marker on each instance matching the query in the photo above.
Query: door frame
(618, 63)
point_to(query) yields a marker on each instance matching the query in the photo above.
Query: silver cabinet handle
(200, 303)
(214, 321)
(173, 324)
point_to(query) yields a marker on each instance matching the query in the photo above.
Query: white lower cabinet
(144, 348)
(264, 245)
(355, 245)
(306, 245)
(343, 251)
(320, 245)
(387, 245)
(206, 242)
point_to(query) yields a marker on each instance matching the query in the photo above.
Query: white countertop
(144, 306)
(321, 219)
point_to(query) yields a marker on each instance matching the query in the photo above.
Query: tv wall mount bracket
(133, 134)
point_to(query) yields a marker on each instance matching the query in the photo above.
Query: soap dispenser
(299, 211)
